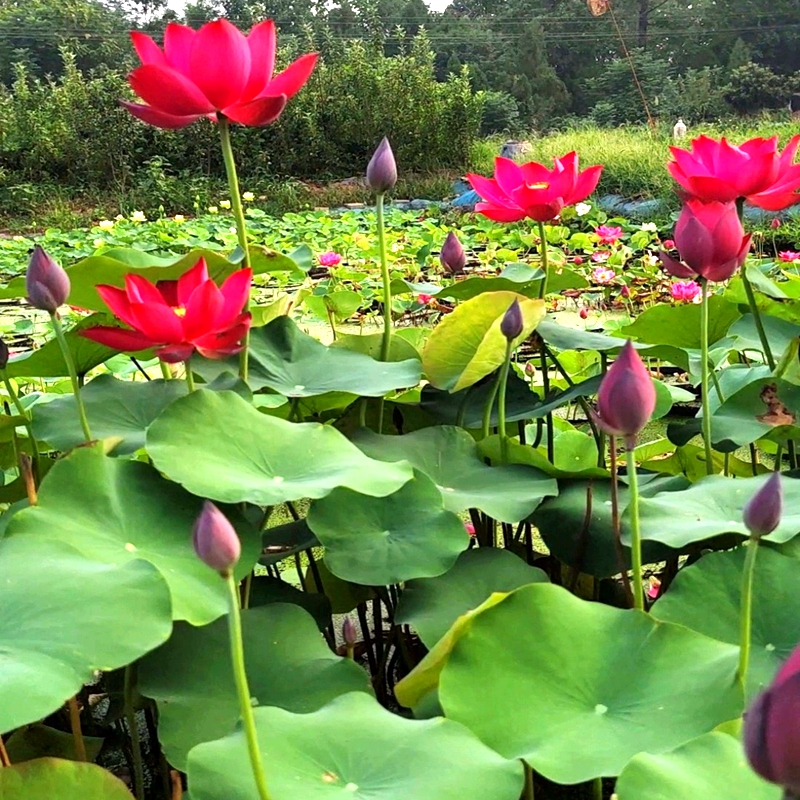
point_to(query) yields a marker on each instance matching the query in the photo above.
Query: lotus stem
(746, 613)
(133, 732)
(189, 376)
(598, 788)
(543, 252)
(487, 410)
(705, 378)
(241, 225)
(73, 374)
(5, 761)
(165, 371)
(502, 380)
(22, 412)
(528, 781)
(386, 280)
(243, 689)
(762, 334)
(636, 535)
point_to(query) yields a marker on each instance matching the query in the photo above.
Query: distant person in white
(679, 131)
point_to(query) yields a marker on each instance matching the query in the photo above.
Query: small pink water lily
(603, 275)
(653, 587)
(608, 234)
(789, 256)
(425, 299)
(686, 291)
(600, 257)
(330, 259)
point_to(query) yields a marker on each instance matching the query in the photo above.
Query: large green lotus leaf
(710, 767)
(343, 595)
(370, 344)
(706, 597)
(48, 361)
(65, 616)
(354, 748)
(779, 332)
(39, 741)
(432, 605)
(288, 361)
(592, 685)
(679, 325)
(763, 407)
(711, 507)
(575, 455)
(219, 446)
(288, 665)
(382, 540)
(520, 278)
(576, 525)
(115, 408)
(115, 510)
(467, 345)
(265, 590)
(54, 779)
(449, 457)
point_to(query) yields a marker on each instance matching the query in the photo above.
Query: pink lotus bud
(775, 224)
(215, 540)
(382, 168)
(349, 632)
(763, 511)
(577, 260)
(583, 313)
(46, 282)
(669, 244)
(453, 257)
(627, 397)
(512, 324)
(425, 299)
(771, 734)
(470, 529)
(530, 368)
(625, 291)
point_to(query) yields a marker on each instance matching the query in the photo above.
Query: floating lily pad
(115, 408)
(69, 605)
(592, 685)
(707, 597)
(288, 665)
(432, 605)
(354, 748)
(467, 345)
(219, 446)
(711, 767)
(294, 364)
(449, 457)
(377, 541)
(117, 511)
(64, 780)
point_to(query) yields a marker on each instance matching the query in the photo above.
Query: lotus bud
(771, 734)
(46, 282)
(775, 223)
(215, 540)
(3, 354)
(349, 632)
(763, 511)
(511, 324)
(453, 257)
(382, 168)
(627, 397)
(583, 313)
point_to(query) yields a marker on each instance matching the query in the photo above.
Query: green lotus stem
(5, 761)
(243, 689)
(598, 788)
(73, 374)
(746, 612)
(543, 252)
(77, 733)
(22, 412)
(502, 380)
(762, 334)
(133, 731)
(487, 409)
(385, 278)
(549, 418)
(528, 795)
(165, 370)
(705, 379)
(238, 214)
(636, 535)
(189, 376)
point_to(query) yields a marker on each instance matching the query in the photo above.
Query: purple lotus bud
(511, 324)
(3, 354)
(215, 540)
(627, 397)
(453, 257)
(763, 511)
(46, 282)
(771, 732)
(382, 168)
(349, 632)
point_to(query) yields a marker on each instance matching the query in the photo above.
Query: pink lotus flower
(577, 260)
(686, 291)
(608, 234)
(583, 313)
(789, 256)
(603, 275)
(470, 529)
(653, 587)
(329, 259)
(425, 299)
(600, 257)
(775, 224)
(669, 244)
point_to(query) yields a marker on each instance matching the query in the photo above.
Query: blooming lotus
(330, 259)
(789, 256)
(608, 234)
(686, 291)
(603, 275)
(710, 240)
(425, 299)
(178, 317)
(600, 256)
(718, 171)
(216, 70)
(532, 190)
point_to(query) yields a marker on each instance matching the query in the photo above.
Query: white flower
(99, 242)
(650, 227)
(213, 210)
(105, 224)
(138, 216)
(179, 218)
(119, 218)
(18, 238)
(248, 197)
(581, 209)
(651, 260)
(224, 203)
(232, 230)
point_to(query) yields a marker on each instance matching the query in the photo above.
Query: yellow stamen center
(179, 311)
(542, 185)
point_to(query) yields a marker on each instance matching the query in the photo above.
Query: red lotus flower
(178, 317)
(531, 190)
(710, 240)
(215, 70)
(608, 234)
(718, 171)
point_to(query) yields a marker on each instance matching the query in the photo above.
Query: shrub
(752, 88)
(500, 113)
